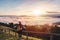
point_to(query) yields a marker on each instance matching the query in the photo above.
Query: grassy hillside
(11, 36)
(4, 36)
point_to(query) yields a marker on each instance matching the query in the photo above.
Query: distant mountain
(58, 23)
(14, 16)
(52, 15)
(47, 15)
(7, 15)
(53, 12)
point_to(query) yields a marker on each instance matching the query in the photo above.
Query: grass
(4, 36)
(10, 36)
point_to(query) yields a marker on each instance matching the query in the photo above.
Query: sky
(25, 7)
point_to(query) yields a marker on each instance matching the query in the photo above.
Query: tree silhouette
(56, 30)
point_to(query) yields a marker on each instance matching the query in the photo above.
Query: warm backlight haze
(37, 12)
(28, 7)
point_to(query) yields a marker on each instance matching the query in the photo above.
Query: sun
(37, 12)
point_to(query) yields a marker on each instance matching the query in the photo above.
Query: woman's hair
(20, 24)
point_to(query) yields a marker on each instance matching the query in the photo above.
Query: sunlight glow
(37, 12)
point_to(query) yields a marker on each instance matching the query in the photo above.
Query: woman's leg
(20, 35)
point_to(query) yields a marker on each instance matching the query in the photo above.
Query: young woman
(20, 29)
